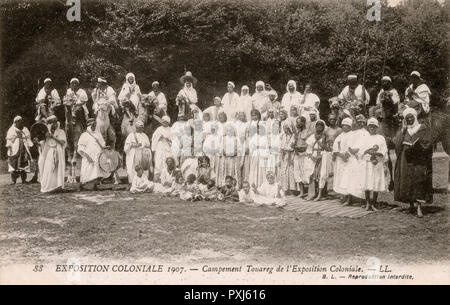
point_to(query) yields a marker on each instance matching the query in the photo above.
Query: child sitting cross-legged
(177, 186)
(190, 188)
(140, 183)
(229, 190)
(202, 186)
(246, 195)
(212, 193)
(269, 193)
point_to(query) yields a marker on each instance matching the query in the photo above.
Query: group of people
(244, 148)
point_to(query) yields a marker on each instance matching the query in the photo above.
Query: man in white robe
(292, 97)
(162, 144)
(230, 102)
(52, 162)
(260, 98)
(90, 146)
(309, 100)
(46, 100)
(135, 140)
(18, 143)
(352, 95)
(105, 104)
(418, 92)
(158, 97)
(76, 97)
(245, 103)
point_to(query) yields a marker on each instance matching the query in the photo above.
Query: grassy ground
(40, 227)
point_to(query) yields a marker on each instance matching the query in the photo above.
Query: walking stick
(364, 79)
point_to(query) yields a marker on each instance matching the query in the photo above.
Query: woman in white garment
(52, 161)
(259, 153)
(374, 157)
(129, 98)
(245, 102)
(230, 102)
(187, 95)
(134, 141)
(90, 146)
(291, 97)
(260, 98)
(342, 170)
(162, 144)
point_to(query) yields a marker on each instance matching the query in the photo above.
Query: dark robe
(412, 170)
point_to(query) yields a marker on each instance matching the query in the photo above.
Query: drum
(109, 160)
(38, 130)
(143, 157)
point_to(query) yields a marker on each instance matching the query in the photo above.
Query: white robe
(268, 195)
(375, 178)
(214, 112)
(91, 144)
(162, 147)
(230, 102)
(134, 138)
(161, 100)
(260, 100)
(52, 162)
(355, 182)
(291, 99)
(141, 185)
(311, 101)
(13, 144)
(358, 94)
(245, 105)
(341, 168)
(421, 95)
(56, 100)
(130, 92)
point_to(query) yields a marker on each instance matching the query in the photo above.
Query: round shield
(109, 160)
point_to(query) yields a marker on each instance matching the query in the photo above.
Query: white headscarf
(134, 80)
(412, 129)
(259, 83)
(291, 82)
(242, 90)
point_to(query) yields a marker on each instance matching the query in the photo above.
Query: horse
(75, 126)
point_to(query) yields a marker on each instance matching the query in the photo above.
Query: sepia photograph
(224, 142)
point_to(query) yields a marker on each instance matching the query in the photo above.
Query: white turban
(386, 78)
(155, 83)
(352, 76)
(130, 75)
(74, 80)
(139, 123)
(231, 83)
(17, 118)
(291, 82)
(48, 79)
(409, 110)
(166, 119)
(101, 80)
(416, 73)
(347, 121)
(259, 83)
(373, 121)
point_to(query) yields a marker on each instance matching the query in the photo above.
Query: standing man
(291, 97)
(46, 100)
(387, 104)
(52, 161)
(135, 140)
(90, 146)
(18, 143)
(230, 102)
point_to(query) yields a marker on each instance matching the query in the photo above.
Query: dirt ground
(118, 225)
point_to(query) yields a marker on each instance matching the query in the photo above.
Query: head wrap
(273, 92)
(51, 119)
(386, 78)
(48, 79)
(74, 80)
(291, 82)
(260, 83)
(360, 117)
(90, 121)
(166, 119)
(416, 73)
(347, 121)
(231, 83)
(101, 80)
(373, 121)
(130, 75)
(17, 118)
(155, 83)
(352, 76)
(139, 123)
(412, 129)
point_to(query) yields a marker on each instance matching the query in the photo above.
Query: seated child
(189, 189)
(140, 183)
(229, 190)
(177, 187)
(246, 195)
(202, 186)
(269, 193)
(204, 168)
(212, 193)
